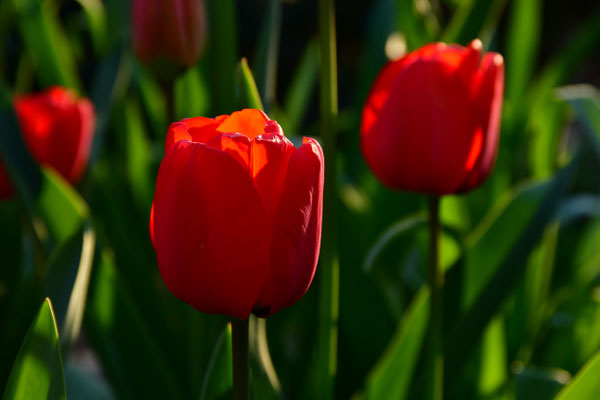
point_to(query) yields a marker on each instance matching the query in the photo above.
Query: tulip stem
(326, 367)
(168, 88)
(435, 387)
(241, 360)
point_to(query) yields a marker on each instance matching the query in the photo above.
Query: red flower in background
(58, 129)
(431, 121)
(236, 218)
(173, 29)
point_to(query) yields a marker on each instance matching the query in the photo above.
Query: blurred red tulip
(58, 129)
(236, 219)
(173, 29)
(431, 121)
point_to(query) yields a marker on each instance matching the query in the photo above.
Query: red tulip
(236, 219)
(431, 121)
(173, 29)
(58, 129)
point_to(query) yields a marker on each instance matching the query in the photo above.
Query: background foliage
(521, 253)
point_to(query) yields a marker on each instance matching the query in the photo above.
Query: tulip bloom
(58, 129)
(173, 29)
(431, 121)
(236, 218)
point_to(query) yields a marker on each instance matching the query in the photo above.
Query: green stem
(329, 267)
(168, 88)
(435, 387)
(241, 360)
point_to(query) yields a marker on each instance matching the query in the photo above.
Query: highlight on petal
(270, 154)
(487, 105)
(249, 122)
(297, 231)
(236, 145)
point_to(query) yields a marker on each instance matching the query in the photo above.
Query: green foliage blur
(521, 253)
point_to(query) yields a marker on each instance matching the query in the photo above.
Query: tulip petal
(199, 129)
(297, 231)
(269, 163)
(211, 241)
(488, 109)
(236, 145)
(85, 109)
(379, 94)
(249, 122)
(151, 226)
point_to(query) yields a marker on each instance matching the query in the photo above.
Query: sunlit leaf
(67, 280)
(586, 384)
(38, 371)
(218, 380)
(247, 92)
(391, 376)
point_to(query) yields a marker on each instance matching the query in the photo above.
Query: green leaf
(222, 54)
(82, 385)
(578, 206)
(46, 43)
(470, 20)
(301, 88)
(532, 294)
(585, 99)
(110, 82)
(96, 19)
(494, 261)
(391, 377)
(218, 380)
(247, 92)
(267, 53)
(411, 25)
(139, 163)
(539, 109)
(492, 368)
(131, 357)
(67, 280)
(38, 372)
(264, 382)
(538, 383)
(586, 384)
(397, 229)
(521, 54)
(153, 100)
(191, 95)
(60, 205)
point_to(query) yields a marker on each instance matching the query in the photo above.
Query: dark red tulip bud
(173, 30)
